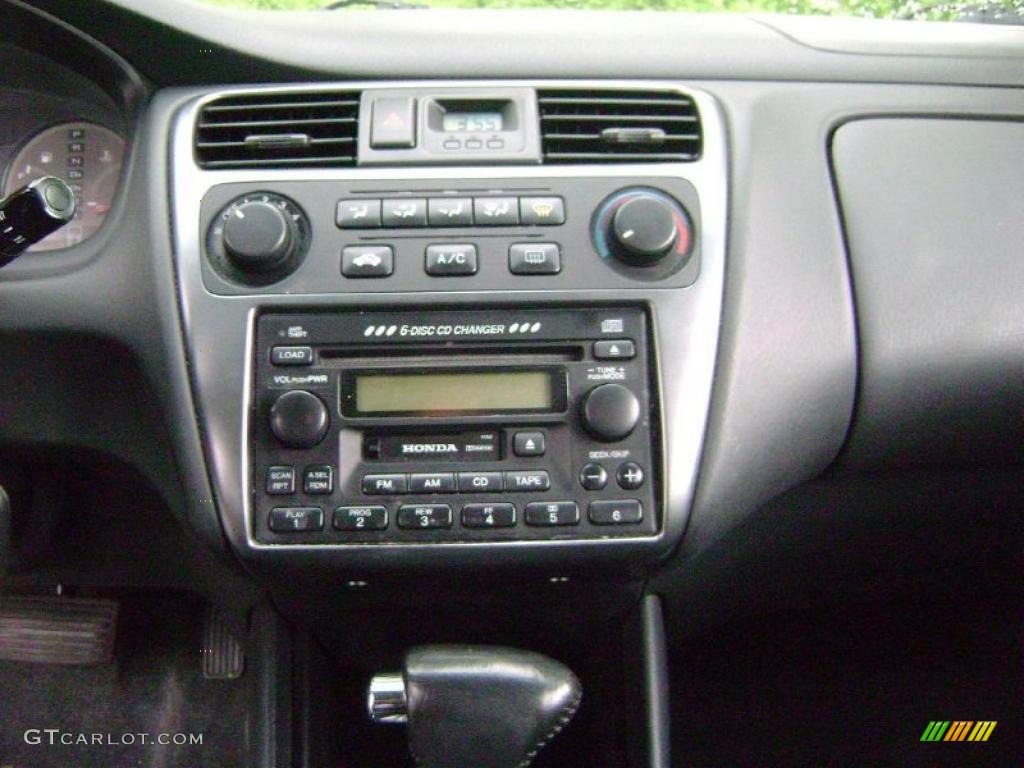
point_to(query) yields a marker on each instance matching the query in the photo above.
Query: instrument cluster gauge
(86, 156)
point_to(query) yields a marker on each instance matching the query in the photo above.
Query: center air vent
(280, 130)
(613, 126)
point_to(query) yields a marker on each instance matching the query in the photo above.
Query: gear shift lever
(476, 706)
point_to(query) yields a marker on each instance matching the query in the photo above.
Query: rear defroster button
(534, 259)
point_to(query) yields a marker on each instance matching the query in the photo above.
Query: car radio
(453, 426)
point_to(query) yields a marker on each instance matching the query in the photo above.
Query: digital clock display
(472, 122)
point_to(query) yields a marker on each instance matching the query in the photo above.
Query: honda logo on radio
(430, 448)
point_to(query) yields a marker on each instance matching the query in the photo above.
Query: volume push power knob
(299, 419)
(610, 412)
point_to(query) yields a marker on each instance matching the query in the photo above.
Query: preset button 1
(296, 519)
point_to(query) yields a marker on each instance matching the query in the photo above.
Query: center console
(443, 323)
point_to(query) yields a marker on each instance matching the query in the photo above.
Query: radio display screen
(454, 392)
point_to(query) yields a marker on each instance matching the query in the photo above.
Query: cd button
(361, 518)
(437, 482)
(424, 516)
(527, 480)
(552, 513)
(480, 482)
(489, 515)
(377, 485)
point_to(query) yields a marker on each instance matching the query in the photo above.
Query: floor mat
(118, 714)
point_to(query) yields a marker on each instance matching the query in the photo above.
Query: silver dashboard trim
(219, 330)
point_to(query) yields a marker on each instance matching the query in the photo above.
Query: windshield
(990, 11)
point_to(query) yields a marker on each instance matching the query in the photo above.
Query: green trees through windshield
(973, 10)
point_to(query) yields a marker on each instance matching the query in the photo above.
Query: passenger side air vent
(279, 130)
(599, 126)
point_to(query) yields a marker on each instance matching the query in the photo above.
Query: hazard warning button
(394, 123)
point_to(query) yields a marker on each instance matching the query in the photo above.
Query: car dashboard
(673, 336)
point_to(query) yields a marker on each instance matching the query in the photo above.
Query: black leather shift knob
(485, 707)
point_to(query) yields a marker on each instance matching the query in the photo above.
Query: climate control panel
(329, 237)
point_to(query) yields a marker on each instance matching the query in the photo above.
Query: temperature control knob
(258, 239)
(299, 419)
(643, 227)
(610, 412)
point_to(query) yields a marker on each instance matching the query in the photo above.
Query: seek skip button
(527, 480)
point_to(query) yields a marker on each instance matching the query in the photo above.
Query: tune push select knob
(641, 227)
(299, 419)
(610, 412)
(259, 238)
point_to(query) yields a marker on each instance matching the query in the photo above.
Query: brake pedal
(57, 630)
(223, 657)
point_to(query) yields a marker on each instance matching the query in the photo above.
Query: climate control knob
(643, 227)
(258, 239)
(610, 412)
(258, 236)
(299, 419)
